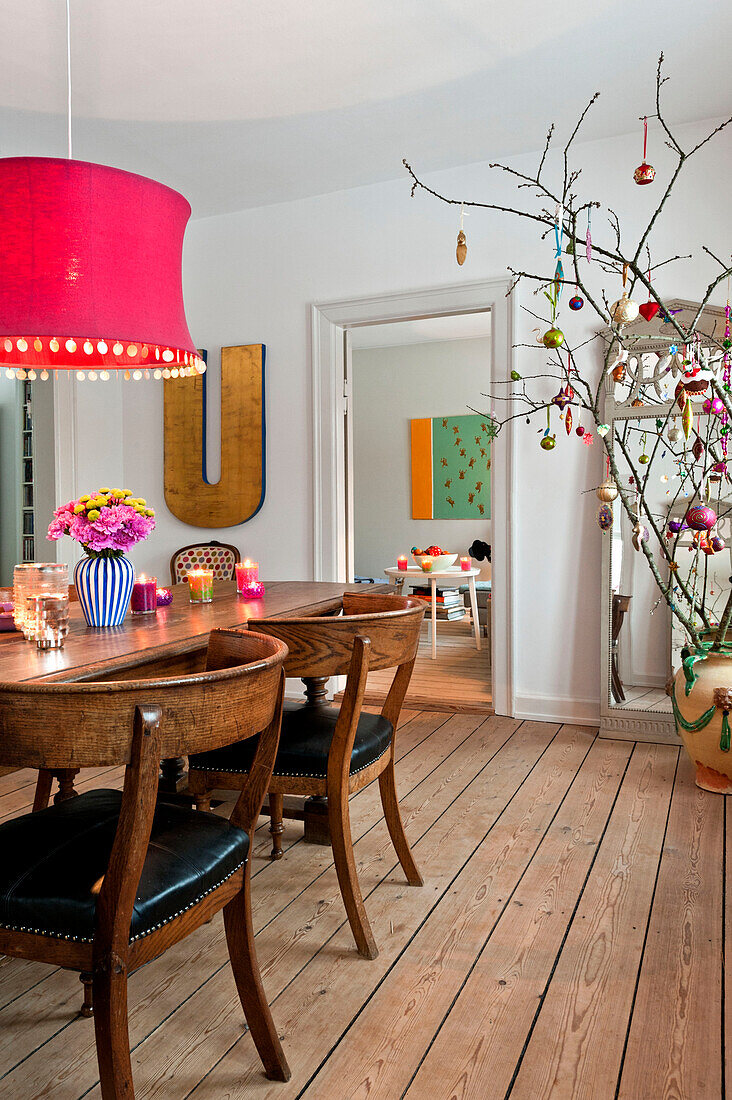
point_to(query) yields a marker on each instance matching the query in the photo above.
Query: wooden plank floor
(568, 942)
(459, 679)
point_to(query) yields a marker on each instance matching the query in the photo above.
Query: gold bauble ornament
(462, 249)
(624, 310)
(608, 491)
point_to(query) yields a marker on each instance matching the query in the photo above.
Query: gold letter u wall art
(239, 494)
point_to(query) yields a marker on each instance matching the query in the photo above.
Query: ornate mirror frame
(647, 366)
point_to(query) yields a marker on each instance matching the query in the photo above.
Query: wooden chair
(327, 751)
(108, 880)
(219, 556)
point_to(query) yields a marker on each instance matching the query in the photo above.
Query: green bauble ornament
(553, 338)
(549, 442)
(515, 376)
(644, 459)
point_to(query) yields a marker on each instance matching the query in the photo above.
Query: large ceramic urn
(702, 702)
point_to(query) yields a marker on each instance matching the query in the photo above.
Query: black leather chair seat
(52, 864)
(305, 739)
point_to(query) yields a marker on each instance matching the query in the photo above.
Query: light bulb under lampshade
(90, 268)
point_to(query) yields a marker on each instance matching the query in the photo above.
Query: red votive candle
(144, 600)
(402, 562)
(200, 585)
(247, 575)
(465, 564)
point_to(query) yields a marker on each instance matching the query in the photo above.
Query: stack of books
(450, 603)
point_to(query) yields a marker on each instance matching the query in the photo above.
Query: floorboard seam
(645, 934)
(570, 922)
(498, 917)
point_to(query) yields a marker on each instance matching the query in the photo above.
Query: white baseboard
(553, 708)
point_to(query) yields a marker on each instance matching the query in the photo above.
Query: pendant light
(90, 270)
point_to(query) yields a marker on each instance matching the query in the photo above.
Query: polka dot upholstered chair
(219, 556)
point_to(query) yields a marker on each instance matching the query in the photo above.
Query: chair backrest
(323, 645)
(219, 556)
(91, 724)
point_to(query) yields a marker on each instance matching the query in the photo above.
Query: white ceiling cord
(68, 74)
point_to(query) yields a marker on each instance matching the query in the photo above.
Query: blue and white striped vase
(104, 586)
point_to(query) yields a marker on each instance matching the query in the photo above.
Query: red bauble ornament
(648, 310)
(644, 173)
(579, 431)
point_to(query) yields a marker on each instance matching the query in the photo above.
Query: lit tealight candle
(402, 562)
(426, 564)
(144, 600)
(200, 585)
(164, 597)
(465, 564)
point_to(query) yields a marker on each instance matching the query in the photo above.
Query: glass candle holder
(402, 563)
(164, 597)
(50, 619)
(200, 585)
(247, 574)
(426, 564)
(35, 579)
(144, 599)
(465, 564)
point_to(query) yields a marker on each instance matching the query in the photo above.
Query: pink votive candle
(144, 600)
(402, 562)
(247, 575)
(465, 564)
(200, 585)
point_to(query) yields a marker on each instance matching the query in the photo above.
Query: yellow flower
(141, 501)
(126, 492)
(84, 499)
(105, 490)
(78, 509)
(149, 511)
(93, 514)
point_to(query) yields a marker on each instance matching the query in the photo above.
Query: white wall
(391, 386)
(10, 476)
(252, 276)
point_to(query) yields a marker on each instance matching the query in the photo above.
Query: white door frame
(329, 320)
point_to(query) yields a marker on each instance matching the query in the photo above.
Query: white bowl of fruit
(440, 560)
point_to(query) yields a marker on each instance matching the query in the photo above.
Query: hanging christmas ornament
(644, 459)
(648, 310)
(644, 173)
(625, 309)
(603, 429)
(715, 406)
(568, 421)
(515, 376)
(640, 534)
(705, 545)
(576, 302)
(686, 417)
(588, 439)
(553, 338)
(605, 517)
(698, 449)
(588, 238)
(619, 372)
(561, 399)
(717, 544)
(462, 249)
(608, 491)
(548, 442)
(579, 430)
(674, 432)
(701, 517)
(675, 526)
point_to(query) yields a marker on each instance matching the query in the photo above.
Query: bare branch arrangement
(702, 459)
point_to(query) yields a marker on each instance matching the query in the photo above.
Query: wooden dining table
(152, 645)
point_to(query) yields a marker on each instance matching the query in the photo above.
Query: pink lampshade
(90, 271)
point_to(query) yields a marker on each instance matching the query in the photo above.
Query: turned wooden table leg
(87, 1008)
(315, 810)
(66, 789)
(173, 775)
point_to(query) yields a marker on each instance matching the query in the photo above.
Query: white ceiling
(465, 326)
(240, 104)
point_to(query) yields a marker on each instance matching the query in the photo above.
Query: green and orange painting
(451, 467)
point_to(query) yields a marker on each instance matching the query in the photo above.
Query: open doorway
(332, 326)
(418, 478)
